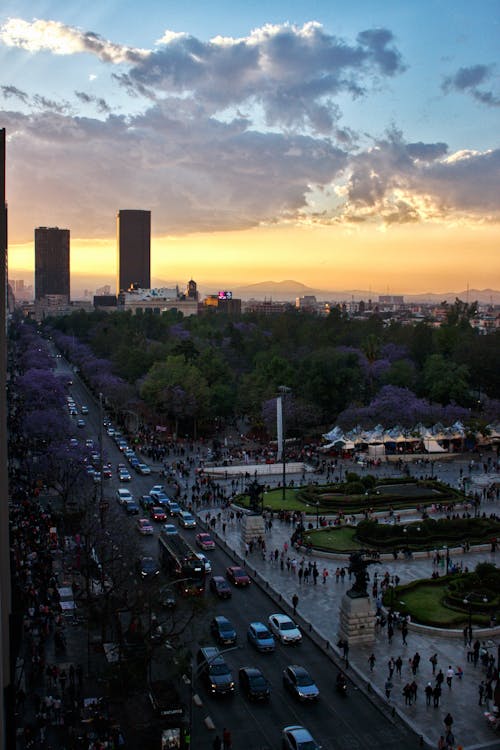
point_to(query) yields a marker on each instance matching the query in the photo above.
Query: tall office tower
(6, 681)
(133, 239)
(51, 262)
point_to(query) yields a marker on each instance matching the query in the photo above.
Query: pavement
(318, 614)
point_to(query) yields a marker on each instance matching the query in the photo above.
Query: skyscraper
(51, 262)
(133, 239)
(6, 705)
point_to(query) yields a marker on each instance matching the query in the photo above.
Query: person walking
(227, 742)
(371, 661)
(481, 692)
(295, 602)
(433, 660)
(404, 632)
(449, 675)
(217, 743)
(391, 665)
(448, 722)
(399, 664)
(388, 687)
(436, 695)
(428, 694)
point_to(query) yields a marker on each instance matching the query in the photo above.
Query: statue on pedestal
(255, 491)
(358, 566)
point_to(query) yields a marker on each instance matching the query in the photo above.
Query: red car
(158, 514)
(205, 541)
(237, 576)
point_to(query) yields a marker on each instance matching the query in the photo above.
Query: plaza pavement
(318, 613)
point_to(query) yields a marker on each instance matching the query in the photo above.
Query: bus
(181, 563)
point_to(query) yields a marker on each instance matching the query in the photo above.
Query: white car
(122, 495)
(144, 527)
(156, 488)
(206, 562)
(284, 628)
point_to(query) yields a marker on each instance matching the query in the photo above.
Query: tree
(445, 381)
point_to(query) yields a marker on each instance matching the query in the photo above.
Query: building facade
(133, 240)
(51, 262)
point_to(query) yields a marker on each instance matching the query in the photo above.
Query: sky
(341, 145)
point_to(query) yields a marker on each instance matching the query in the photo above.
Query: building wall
(51, 262)
(133, 238)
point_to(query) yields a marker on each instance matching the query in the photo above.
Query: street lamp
(280, 413)
(468, 603)
(317, 514)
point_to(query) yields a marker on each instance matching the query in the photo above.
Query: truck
(181, 564)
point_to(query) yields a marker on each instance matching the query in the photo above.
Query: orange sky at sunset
(405, 259)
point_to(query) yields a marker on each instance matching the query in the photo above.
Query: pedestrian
(388, 687)
(441, 743)
(440, 678)
(449, 739)
(407, 694)
(371, 661)
(428, 694)
(404, 632)
(390, 632)
(481, 692)
(325, 575)
(227, 743)
(295, 602)
(391, 666)
(436, 695)
(399, 665)
(414, 691)
(217, 743)
(448, 721)
(433, 660)
(449, 675)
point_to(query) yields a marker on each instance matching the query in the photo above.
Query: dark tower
(51, 262)
(6, 704)
(133, 239)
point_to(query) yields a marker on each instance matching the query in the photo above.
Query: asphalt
(318, 614)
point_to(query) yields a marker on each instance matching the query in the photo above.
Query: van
(214, 671)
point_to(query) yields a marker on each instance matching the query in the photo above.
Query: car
(143, 469)
(96, 476)
(186, 520)
(131, 508)
(80, 423)
(205, 541)
(84, 409)
(260, 637)
(106, 472)
(167, 598)
(299, 682)
(298, 738)
(160, 498)
(147, 567)
(220, 587)
(144, 527)
(73, 443)
(214, 671)
(89, 443)
(146, 502)
(206, 562)
(165, 701)
(284, 628)
(253, 684)
(173, 508)
(223, 631)
(156, 488)
(157, 514)
(124, 475)
(237, 576)
(168, 529)
(133, 461)
(122, 495)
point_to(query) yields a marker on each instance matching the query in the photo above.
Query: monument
(357, 617)
(253, 524)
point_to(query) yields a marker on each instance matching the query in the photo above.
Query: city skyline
(344, 147)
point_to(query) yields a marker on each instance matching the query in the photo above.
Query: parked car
(237, 576)
(299, 682)
(144, 527)
(284, 628)
(223, 631)
(220, 587)
(205, 541)
(298, 738)
(253, 684)
(260, 637)
(157, 514)
(147, 567)
(186, 520)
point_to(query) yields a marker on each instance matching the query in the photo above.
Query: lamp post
(282, 390)
(468, 602)
(317, 514)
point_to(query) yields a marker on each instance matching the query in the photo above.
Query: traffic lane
(335, 721)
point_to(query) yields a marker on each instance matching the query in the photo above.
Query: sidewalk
(461, 700)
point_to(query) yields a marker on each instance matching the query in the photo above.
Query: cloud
(56, 37)
(9, 92)
(292, 73)
(396, 182)
(101, 105)
(469, 79)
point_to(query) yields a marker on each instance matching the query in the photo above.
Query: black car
(220, 587)
(165, 701)
(146, 502)
(131, 508)
(223, 631)
(147, 567)
(253, 684)
(300, 683)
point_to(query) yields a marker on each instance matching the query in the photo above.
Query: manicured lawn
(424, 603)
(334, 538)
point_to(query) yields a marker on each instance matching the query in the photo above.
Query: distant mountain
(276, 290)
(485, 296)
